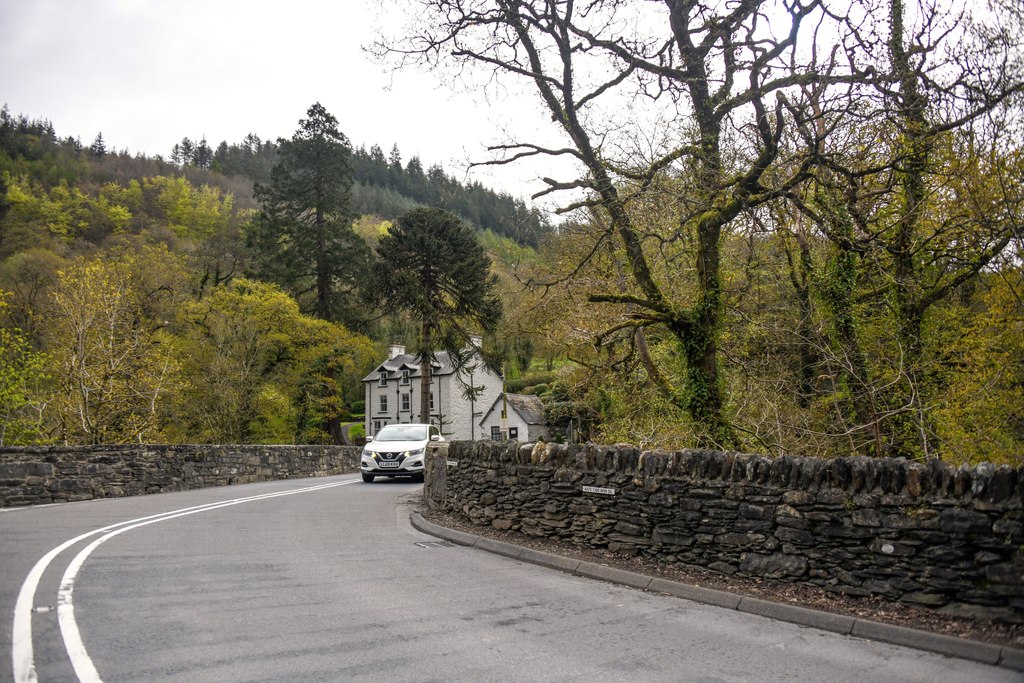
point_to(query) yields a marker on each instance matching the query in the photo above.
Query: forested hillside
(139, 303)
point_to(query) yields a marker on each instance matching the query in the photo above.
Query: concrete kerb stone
(613, 575)
(452, 535)
(1011, 658)
(499, 547)
(826, 621)
(562, 564)
(706, 596)
(987, 653)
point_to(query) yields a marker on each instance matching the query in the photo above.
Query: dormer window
(405, 376)
(383, 379)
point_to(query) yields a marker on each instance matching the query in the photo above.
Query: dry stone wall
(31, 475)
(923, 533)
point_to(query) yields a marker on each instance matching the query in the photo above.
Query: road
(325, 580)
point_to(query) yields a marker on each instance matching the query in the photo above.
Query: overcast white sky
(147, 73)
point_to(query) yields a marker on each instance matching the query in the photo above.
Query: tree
(22, 370)
(431, 266)
(709, 92)
(303, 237)
(98, 148)
(109, 345)
(254, 368)
(202, 155)
(715, 112)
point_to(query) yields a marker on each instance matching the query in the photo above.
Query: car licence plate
(385, 463)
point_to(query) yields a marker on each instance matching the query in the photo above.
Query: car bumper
(402, 471)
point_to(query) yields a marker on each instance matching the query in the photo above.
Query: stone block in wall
(962, 522)
(15, 471)
(774, 566)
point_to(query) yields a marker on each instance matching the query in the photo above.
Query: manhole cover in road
(434, 544)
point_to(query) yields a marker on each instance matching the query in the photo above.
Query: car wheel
(368, 478)
(418, 477)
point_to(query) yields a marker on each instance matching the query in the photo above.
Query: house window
(405, 401)
(431, 401)
(513, 433)
(405, 376)
(383, 403)
(495, 433)
(382, 379)
(376, 426)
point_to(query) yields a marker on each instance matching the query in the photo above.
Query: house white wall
(518, 427)
(493, 419)
(456, 415)
(462, 414)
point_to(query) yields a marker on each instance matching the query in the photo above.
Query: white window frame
(405, 377)
(382, 379)
(383, 403)
(406, 402)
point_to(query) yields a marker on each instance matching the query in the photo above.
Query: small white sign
(599, 489)
(453, 463)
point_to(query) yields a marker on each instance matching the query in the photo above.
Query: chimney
(395, 350)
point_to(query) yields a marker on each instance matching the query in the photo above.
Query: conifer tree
(303, 237)
(431, 266)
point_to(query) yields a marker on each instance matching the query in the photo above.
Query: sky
(147, 73)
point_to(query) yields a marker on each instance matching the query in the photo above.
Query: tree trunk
(425, 369)
(909, 426)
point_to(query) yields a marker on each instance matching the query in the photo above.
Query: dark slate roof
(527, 406)
(410, 362)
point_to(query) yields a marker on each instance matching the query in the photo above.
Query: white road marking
(22, 657)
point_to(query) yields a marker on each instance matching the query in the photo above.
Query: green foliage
(22, 372)
(303, 237)
(254, 368)
(430, 265)
(110, 351)
(980, 417)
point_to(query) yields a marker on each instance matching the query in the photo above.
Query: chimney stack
(396, 350)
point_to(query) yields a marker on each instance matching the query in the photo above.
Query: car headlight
(418, 451)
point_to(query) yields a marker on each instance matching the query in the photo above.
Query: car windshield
(402, 433)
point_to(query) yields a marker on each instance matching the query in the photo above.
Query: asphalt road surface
(325, 580)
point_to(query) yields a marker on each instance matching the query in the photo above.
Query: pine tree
(303, 237)
(431, 266)
(98, 148)
(202, 155)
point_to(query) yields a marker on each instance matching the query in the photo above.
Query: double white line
(22, 655)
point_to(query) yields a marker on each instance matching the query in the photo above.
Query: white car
(397, 451)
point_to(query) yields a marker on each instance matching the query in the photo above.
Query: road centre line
(22, 655)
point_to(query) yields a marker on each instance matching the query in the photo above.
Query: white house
(392, 394)
(518, 417)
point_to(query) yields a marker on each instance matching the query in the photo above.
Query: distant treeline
(383, 185)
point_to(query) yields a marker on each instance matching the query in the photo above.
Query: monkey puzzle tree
(431, 266)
